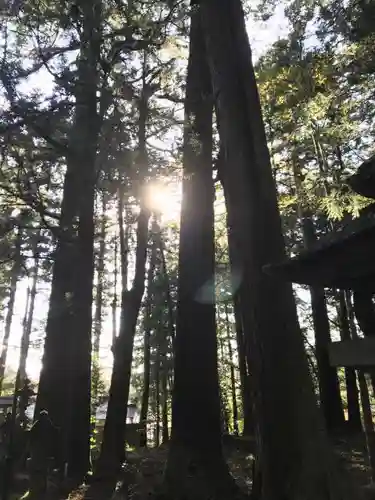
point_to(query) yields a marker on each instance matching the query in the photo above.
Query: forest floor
(144, 471)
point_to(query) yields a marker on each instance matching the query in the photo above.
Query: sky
(261, 35)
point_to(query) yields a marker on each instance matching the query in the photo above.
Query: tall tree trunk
(67, 350)
(100, 285)
(195, 439)
(171, 318)
(157, 391)
(232, 373)
(146, 348)
(98, 317)
(354, 413)
(21, 379)
(225, 414)
(114, 299)
(164, 393)
(28, 323)
(112, 452)
(279, 368)
(14, 276)
(24, 348)
(329, 387)
(248, 425)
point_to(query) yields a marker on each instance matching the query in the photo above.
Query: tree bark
(279, 368)
(195, 443)
(14, 276)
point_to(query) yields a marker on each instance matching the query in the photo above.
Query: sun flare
(164, 199)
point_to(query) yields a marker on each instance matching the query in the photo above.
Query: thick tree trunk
(279, 368)
(232, 373)
(14, 276)
(146, 348)
(354, 413)
(67, 350)
(195, 443)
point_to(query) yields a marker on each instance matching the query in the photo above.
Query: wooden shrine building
(344, 260)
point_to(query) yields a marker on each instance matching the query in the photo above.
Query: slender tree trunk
(14, 276)
(164, 393)
(225, 414)
(100, 284)
(224, 417)
(112, 450)
(28, 320)
(248, 428)
(146, 348)
(21, 378)
(23, 352)
(98, 317)
(232, 373)
(279, 368)
(113, 444)
(114, 300)
(196, 426)
(169, 300)
(157, 392)
(354, 413)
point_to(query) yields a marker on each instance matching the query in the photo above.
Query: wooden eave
(344, 260)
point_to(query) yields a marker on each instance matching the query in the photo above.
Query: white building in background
(133, 415)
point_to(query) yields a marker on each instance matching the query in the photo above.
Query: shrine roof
(344, 259)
